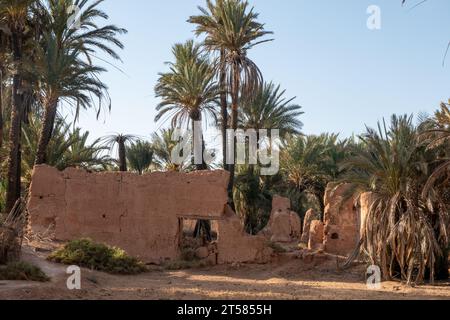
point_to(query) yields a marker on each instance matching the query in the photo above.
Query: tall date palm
(188, 91)
(269, 109)
(163, 145)
(232, 28)
(208, 23)
(64, 68)
(14, 23)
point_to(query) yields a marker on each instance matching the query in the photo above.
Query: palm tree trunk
(122, 157)
(201, 225)
(234, 126)
(251, 167)
(196, 118)
(1, 107)
(1, 120)
(14, 170)
(47, 132)
(14, 165)
(223, 106)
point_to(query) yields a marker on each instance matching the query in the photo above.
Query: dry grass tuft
(11, 233)
(22, 271)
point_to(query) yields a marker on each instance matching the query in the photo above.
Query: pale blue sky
(344, 75)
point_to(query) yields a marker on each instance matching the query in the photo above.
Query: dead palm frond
(11, 233)
(404, 233)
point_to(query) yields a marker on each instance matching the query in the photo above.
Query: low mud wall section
(140, 214)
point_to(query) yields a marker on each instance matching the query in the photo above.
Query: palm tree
(121, 140)
(309, 163)
(207, 24)
(253, 198)
(61, 72)
(404, 232)
(163, 146)
(438, 137)
(68, 147)
(140, 156)
(69, 79)
(2, 72)
(14, 21)
(269, 109)
(3, 58)
(416, 5)
(232, 29)
(252, 193)
(189, 92)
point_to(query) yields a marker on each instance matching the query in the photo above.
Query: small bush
(22, 271)
(88, 254)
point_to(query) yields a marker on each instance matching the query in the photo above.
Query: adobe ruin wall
(140, 214)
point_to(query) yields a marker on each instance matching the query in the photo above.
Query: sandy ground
(285, 279)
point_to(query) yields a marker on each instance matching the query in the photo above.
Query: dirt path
(288, 279)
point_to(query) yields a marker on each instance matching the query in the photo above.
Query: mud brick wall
(342, 221)
(235, 245)
(137, 213)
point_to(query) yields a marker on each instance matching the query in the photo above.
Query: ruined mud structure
(147, 215)
(343, 224)
(141, 214)
(284, 225)
(341, 220)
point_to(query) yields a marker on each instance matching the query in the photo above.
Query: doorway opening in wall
(198, 240)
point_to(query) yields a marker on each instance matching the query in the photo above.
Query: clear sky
(343, 74)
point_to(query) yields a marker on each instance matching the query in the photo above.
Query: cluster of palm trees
(406, 167)
(404, 164)
(47, 63)
(48, 60)
(215, 79)
(216, 72)
(406, 232)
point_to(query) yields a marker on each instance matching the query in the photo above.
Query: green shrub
(88, 254)
(22, 271)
